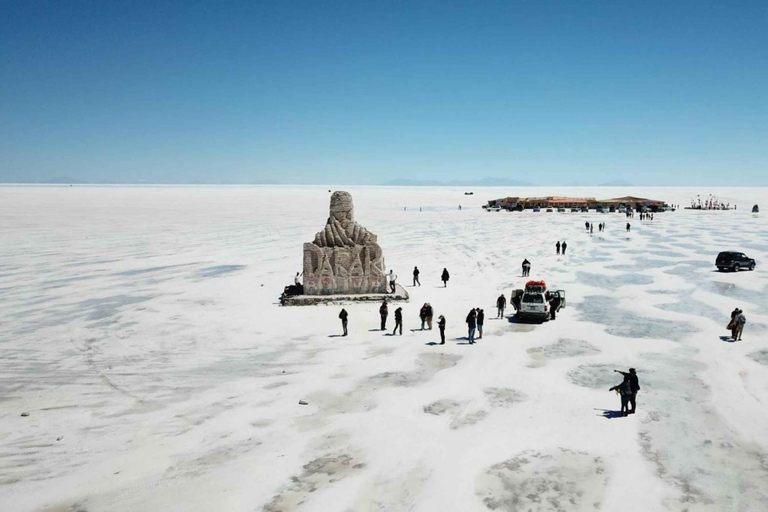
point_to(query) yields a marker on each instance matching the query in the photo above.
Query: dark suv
(732, 260)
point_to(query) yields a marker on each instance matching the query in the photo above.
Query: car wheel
(752, 266)
(736, 267)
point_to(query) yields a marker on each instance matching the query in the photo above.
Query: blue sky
(654, 93)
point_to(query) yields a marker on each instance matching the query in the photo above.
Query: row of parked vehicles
(581, 209)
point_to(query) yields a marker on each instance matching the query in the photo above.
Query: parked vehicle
(599, 209)
(734, 260)
(494, 208)
(575, 209)
(533, 301)
(549, 210)
(612, 209)
(561, 209)
(536, 208)
(584, 209)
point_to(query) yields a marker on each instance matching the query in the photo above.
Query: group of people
(561, 247)
(628, 390)
(475, 320)
(392, 278)
(425, 314)
(736, 325)
(646, 216)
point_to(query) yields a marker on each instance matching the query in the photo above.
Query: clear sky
(654, 93)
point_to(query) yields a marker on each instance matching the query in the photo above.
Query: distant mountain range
(484, 182)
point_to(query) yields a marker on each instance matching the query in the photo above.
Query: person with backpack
(501, 303)
(445, 277)
(441, 326)
(343, 315)
(398, 321)
(634, 386)
(416, 276)
(384, 313)
(480, 322)
(625, 390)
(471, 325)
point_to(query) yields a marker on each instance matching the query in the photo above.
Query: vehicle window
(533, 298)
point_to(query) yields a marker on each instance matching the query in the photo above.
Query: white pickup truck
(536, 302)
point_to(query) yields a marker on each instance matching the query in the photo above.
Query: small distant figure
(501, 304)
(591, 228)
(398, 321)
(392, 278)
(459, 207)
(441, 326)
(564, 247)
(557, 246)
(526, 267)
(586, 225)
(629, 226)
(416, 276)
(445, 277)
(423, 315)
(625, 390)
(430, 314)
(419, 208)
(384, 313)
(471, 326)
(297, 284)
(480, 322)
(634, 387)
(343, 315)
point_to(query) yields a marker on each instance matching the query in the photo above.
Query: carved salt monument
(344, 258)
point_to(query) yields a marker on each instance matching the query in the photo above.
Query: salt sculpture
(344, 257)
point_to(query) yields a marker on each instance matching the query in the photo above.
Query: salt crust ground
(139, 329)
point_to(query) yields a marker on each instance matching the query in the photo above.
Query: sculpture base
(400, 295)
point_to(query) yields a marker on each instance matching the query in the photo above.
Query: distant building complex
(523, 203)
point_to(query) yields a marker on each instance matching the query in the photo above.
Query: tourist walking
(526, 267)
(441, 326)
(557, 246)
(445, 277)
(586, 225)
(564, 247)
(480, 322)
(416, 276)
(591, 228)
(398, 321)
(384, 313)
(634, 386)
(739, 322)
(423, 315)
(732, 324)
(392, 278)
(343, 315)
(471, 326)
(430, 313)
(629, 226)
(501, 303)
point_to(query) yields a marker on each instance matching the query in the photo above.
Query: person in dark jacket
(343, 316)
(501, 303)
(634, 386)
(480, 322)
(628, 227)
(471, 325)
(416, 276)
(564, 247)
(557, 246)
(441, 326)
(554, 304)
(526, 267)
(445, 277)
(423, 315)
(732, 324)
(625, 390)
(384, 312)
(430, 314)
(398, 321)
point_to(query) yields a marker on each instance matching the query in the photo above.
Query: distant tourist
(430, 314)
(343, 316)
(416, 276)
(591, 228)
(737, 324)
(480, 322)
(441, 326)
(398, 321)
(526, 267)
(586, 225)
(445, 277)
(501, 303)
(634, 387)
(392, 278)
(557, 247)
(423, 315)
(564, 247)
(384, 313)
(629, 226)
(471, 326)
